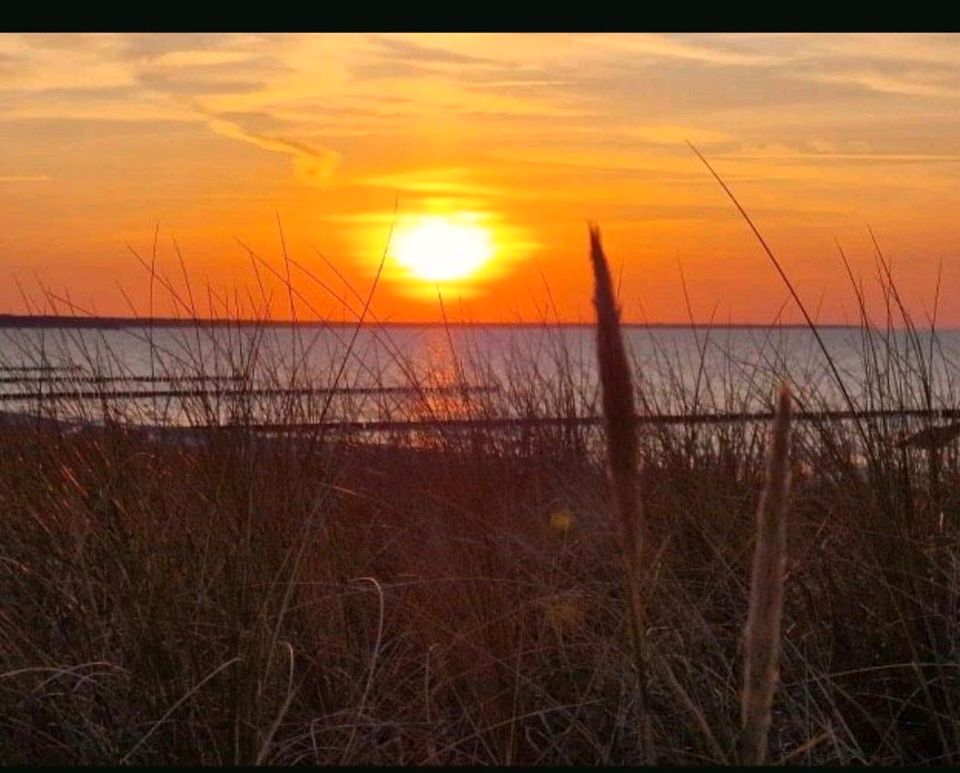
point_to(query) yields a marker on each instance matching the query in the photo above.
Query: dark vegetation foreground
(457, 595)
(461, 601)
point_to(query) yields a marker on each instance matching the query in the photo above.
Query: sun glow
(439, 248)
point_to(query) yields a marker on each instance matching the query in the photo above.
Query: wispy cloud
(23, 178)
(916, 84)
(697, 48)
(405, 50)
(457, 181)
(313, 165)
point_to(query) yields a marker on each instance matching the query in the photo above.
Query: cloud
(927, 49)
(788, 155)
(918, 86)
(697, 48)
(454, 181)
(313, 165)
(215, 72)
(192, 58)
(547, 107)
(393, 48)
(23, 178)
(677, 134)
(151, 47)
(388, 68)
(182, 84)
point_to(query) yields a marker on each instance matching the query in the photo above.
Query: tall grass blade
(848, 399)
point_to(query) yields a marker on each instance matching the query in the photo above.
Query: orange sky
(213, 136)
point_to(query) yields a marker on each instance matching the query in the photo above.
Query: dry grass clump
(136, 574)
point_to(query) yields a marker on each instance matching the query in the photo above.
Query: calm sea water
(184, 375)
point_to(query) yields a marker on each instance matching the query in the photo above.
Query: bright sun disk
(438, 249)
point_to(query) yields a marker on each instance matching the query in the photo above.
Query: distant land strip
(71, 321)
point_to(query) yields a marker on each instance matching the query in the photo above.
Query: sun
(438, 248)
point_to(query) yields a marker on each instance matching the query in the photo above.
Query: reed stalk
(622, 454)
(762, 635)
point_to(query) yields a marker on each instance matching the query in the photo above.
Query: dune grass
(458, 596)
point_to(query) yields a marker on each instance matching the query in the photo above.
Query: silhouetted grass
(458, 597)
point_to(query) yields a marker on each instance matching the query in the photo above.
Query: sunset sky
(506, 144)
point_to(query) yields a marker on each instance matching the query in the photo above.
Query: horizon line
(107, 321)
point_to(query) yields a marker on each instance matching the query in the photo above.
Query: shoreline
(29, 321)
